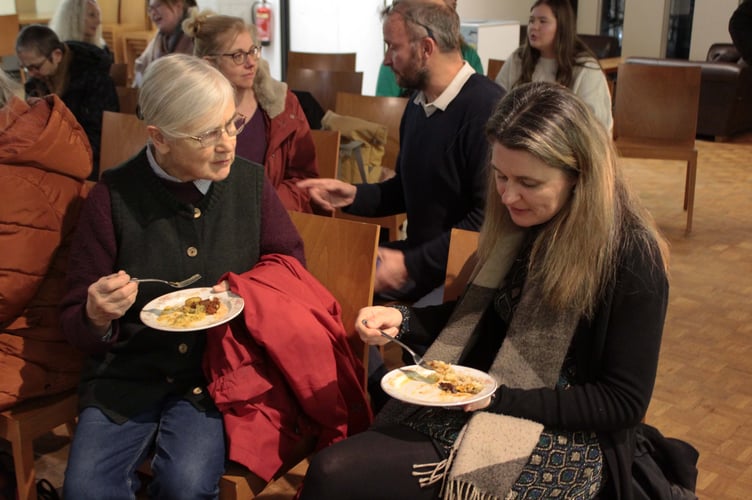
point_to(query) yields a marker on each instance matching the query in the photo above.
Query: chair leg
(23, 461)
(689, 191)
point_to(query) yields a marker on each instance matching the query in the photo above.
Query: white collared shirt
(446, 97)
(202, 185)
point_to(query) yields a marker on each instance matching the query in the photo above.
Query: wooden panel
(494, 66)
(110, 11)
(324, 84)
(8, 33)
(324, 61)
(460, 262)
(123, 135)
(134, 12)
(326, 143)
(134, 43)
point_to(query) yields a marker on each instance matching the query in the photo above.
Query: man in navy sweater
(440, 181)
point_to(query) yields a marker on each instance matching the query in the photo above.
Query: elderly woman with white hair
(184, 205)
(79, 20)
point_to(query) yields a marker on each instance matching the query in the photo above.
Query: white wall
(710, 25)
(589, 17)
(7, 7)
(341, 26)
(645, 23)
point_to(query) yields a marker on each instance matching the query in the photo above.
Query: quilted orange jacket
(45, 158)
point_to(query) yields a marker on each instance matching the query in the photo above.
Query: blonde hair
(9, 88)
(212, 32)
(69, 20)
(182, 94)
(575, 254)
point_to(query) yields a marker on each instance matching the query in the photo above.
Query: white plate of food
(450, 385)
(191, 309)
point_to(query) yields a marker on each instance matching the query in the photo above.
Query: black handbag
(663, 468)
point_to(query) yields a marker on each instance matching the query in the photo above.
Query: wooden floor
(703, 392)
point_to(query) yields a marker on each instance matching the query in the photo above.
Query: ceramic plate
(404, 385)
(232, 305)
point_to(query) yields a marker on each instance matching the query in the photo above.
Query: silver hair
(182, 94)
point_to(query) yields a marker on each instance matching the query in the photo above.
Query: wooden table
(26, 18)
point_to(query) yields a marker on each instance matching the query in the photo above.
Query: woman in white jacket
(554, 53)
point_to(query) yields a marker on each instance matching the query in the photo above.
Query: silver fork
(174, 284)
(417, 358)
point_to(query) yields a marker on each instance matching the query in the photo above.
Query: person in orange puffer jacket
(45, 158)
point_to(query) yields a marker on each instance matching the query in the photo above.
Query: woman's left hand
(220, 287)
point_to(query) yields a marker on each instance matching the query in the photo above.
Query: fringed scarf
(492, 449)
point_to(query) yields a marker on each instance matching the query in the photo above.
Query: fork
(174, 284)
(417, 358)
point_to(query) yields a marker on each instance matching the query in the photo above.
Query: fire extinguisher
(261, 14)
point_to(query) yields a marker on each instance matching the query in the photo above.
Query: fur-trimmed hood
(270, 93)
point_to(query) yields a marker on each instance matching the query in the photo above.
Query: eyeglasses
(35, 66)
(153, 6)
(214, 136)
(240, 56)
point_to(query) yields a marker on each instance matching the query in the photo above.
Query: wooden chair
(8, 33)
(494, 66)
(324, 84)
(23, 423)
(119, 74)
(387, 111)
(326, 143)
(123, 135)
(127, 99)
(341, 254)
(134, 43)
(655, 116)
(461, 261)
(322, 61)
(113, 36)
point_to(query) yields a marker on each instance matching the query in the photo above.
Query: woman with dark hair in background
(554, 53)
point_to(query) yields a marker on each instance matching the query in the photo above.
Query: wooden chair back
(461, 261)
(110, 11)
(119, 74)
(493, 68)
(134, 43)
(322, 61)
(655, 116)
(8, 33)
(324, 84)
(326, 143)
(387, 111)
(28, 420)
(128, 99)
(123, 135)
(341, 254)
(135, 13)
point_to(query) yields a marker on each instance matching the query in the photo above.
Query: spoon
(174, 284)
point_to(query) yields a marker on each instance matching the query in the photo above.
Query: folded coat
(284, 368)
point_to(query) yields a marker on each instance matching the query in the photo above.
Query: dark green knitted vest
(158, 236)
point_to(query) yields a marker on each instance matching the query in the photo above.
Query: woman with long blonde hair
(79, 20)
(565, 311)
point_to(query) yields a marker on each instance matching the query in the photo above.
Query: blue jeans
(188, 446)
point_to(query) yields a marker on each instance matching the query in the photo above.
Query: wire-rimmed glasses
(241, 56)
(212, 137)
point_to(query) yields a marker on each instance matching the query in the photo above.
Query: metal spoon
(174, 284)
